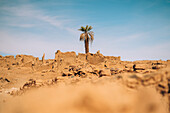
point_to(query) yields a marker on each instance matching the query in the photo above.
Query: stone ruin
(67, 62)
(83, 65)
(60, 62)
(155, 73)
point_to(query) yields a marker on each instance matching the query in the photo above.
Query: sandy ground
(26, 90)
(100, 96)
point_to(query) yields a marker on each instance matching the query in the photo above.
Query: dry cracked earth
(83, 83)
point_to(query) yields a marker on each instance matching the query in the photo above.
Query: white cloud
(29, 12)
(30, 43)
(22, 25)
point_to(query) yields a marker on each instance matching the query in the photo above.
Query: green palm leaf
(82, 28)
(90, 28)
(86, 28)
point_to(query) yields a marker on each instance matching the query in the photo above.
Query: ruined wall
(95, 58)
(26, 60)
(67, 57)
(7, 61)
(81, 57)
(113, 58)
(19, 60)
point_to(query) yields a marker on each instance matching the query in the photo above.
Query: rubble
(68, 68)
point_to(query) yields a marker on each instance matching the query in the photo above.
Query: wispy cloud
(31, 13)
(29, 16)
(22, 25)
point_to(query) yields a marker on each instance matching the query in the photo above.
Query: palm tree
(86, 36)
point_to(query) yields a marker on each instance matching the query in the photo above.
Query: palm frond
(86, 28)
(82, 28)
(90, 28)
(82, 36)
(91, 32)
(91, 36)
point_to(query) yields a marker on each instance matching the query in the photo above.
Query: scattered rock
(81, 72)
(158, 66)
(44, 71)
(4, 80)
(104, 72)
(140, 66)
(38, 83)
(89, 66)
(66, 72)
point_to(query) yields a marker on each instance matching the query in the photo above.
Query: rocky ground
(86, 83)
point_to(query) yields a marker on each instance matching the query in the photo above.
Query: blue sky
(132, 29)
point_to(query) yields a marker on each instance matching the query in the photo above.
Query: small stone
(67, 73)
(39, 82)
(105, 72)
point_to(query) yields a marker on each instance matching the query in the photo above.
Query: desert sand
(83, 83)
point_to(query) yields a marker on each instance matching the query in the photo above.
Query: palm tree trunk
(87, 44)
